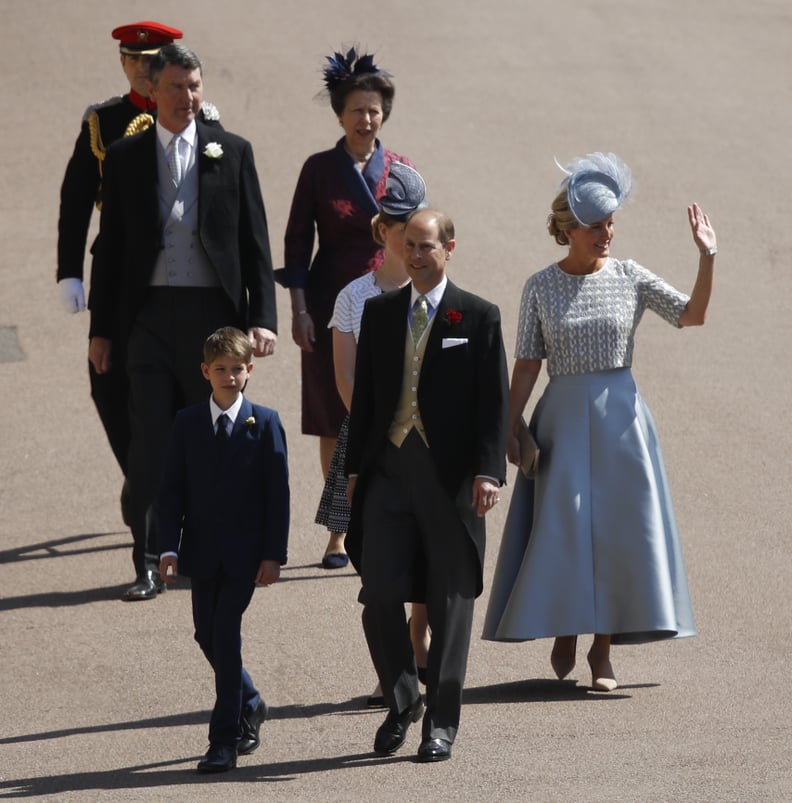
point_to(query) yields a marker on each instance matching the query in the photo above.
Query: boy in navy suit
(223, 515)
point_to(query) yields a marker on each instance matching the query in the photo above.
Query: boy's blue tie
(222, 428)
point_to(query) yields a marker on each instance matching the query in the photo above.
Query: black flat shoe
(249, 727)
(335, 560)
(434, 750)
(393, 731)
(375, 701)
(218, 758)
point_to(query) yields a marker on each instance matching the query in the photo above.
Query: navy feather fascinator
(341, 67)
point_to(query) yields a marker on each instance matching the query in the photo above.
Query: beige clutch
(529, 451)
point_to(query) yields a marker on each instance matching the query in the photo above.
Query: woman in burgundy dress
(337, 194)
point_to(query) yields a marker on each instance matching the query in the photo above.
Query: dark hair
(169, 55)
(228, 342)
(365, 82)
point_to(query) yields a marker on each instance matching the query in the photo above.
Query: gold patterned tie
(420, 318)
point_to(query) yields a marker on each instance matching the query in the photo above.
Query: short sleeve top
(583, 324)
(349, 304)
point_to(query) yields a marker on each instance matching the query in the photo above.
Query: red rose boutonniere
(453, 317)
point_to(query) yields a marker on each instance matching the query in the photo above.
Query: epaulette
(210, 111)
(114, 101)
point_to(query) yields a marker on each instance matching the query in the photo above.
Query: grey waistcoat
(182, 262)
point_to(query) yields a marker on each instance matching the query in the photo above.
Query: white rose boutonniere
(250, 422)
(214, 150)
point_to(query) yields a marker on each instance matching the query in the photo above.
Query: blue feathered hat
(597, 186)
(341, 67)
(405, 191)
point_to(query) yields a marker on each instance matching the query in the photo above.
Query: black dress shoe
(146, 586)
(393, 731)
(218, 758)
(434, 750)
(249, 727)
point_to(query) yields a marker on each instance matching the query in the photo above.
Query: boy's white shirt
(232, 412)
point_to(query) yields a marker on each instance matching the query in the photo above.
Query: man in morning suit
(425, 459)
(183, 250)
(223, 512)
(103, 124)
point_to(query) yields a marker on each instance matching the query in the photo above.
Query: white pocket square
(450, 342)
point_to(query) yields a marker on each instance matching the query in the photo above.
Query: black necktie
(222, 428)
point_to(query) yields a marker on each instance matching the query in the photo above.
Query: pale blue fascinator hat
(405, 191)
(597, 186)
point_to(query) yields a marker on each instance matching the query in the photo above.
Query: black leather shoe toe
(393, 731)
(249, 727)
(146, 586)
(434, 750)
(218, 758)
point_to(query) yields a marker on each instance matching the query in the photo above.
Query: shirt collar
(189, 135)
(232, 412)
(434, 296)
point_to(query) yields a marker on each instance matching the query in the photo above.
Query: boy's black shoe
(249, 727)
(218, 758)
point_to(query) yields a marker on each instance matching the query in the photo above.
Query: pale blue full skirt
(591, 545)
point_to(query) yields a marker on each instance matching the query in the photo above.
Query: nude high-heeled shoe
(602, 676)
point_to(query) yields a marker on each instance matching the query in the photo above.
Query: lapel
(363, 187)
(209, 170)
(451, 299)
(397, 324)
(238, 432)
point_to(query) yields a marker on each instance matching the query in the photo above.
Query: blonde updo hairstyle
(561, 220)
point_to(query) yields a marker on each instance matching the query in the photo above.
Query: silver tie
(175, 161)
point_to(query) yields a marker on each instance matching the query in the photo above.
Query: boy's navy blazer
(225, 505)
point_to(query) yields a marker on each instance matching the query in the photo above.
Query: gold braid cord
(138, 124)
(97, 146)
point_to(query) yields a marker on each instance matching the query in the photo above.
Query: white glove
(72, 295)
